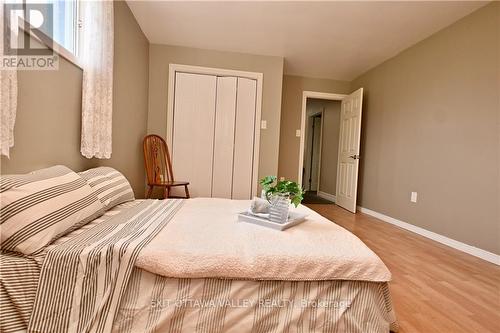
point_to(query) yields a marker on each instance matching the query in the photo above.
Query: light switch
(297, 133)
(413, 197)
(263, 124)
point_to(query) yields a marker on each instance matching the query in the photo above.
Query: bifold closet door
(193, 131)
(244, 138)
(224, 137)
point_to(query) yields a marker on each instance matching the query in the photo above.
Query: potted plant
(280, 194)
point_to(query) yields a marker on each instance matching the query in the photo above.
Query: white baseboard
(326, 196)
(476, 252)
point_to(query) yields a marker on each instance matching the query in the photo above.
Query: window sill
(51, 44)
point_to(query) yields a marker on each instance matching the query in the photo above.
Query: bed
(184, 266)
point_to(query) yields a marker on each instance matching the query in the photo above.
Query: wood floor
(435, 289)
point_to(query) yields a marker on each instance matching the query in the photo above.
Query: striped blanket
(83, 280)
(19, 275)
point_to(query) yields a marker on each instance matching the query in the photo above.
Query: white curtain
(96, 55)
(8, 98)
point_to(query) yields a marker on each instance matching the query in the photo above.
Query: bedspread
(205, 240)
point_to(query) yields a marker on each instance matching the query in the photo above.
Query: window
(64, 22)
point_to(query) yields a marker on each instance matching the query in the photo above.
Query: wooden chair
(159, 167)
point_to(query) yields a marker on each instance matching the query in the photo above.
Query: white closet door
(224, 137)
(244, 138)
(193, 131)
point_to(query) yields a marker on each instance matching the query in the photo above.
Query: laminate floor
(435, 288)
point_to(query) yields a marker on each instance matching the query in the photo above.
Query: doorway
(346, 140)
(319, 171)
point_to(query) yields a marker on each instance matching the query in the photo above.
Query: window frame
(49, 42)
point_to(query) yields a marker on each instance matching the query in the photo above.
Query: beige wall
(431, 125)
(160, 56)
(293, 86)
(330, 148)
(48, 122)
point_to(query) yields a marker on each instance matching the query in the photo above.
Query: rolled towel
(260, 206)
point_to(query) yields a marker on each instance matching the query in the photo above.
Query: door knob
(354, 157)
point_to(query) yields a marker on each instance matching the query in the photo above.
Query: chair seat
(171, 183)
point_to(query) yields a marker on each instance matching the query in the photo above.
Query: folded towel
(260, 206)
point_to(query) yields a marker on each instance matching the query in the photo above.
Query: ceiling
(336, 40)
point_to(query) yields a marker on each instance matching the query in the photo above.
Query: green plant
(272, 186)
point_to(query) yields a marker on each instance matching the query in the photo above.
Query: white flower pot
(280, 204)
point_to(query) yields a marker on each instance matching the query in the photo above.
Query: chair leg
(187, 191)
(150, 191)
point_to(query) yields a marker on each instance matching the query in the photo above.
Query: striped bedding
(18, 284)
(151, 303)
(110, 185)
(97, 265)
(19, 275)
(38, 207)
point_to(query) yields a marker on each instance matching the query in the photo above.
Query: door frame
(259, 77)
(318, 95)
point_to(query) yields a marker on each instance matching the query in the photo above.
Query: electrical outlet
(413, 197)
(297, 133)
(263, 124)
(282, 178)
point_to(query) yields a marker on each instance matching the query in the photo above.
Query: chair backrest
(157, 160)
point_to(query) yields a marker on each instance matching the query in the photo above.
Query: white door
(214, 134)
(224, 137)
(349, 140)
(193, 131)
(244, 138)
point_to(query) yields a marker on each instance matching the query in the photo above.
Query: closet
(214, 128)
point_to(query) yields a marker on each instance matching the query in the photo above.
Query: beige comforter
(204, 239)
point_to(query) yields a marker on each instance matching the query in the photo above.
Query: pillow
(111, 187)
(38, 207)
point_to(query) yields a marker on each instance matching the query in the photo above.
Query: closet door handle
(355, 157)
